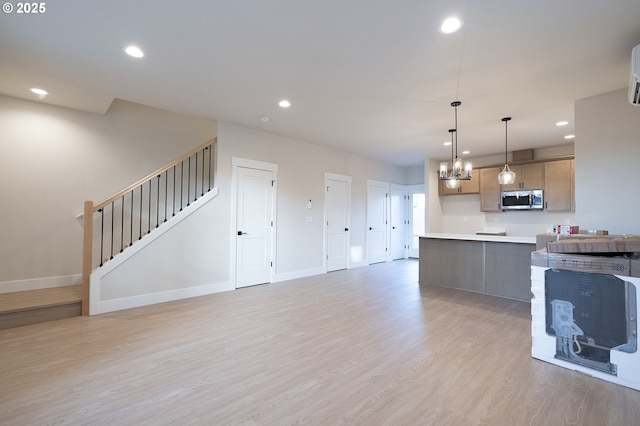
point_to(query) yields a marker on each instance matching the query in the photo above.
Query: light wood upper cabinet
(489, 189)
(466, 187)
(528, 176)
(559, 186)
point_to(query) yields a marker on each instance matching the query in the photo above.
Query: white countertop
(490, 238)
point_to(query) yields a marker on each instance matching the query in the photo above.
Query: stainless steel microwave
(528, 199)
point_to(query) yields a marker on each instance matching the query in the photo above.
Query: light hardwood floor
(365, 346)
(36, 306)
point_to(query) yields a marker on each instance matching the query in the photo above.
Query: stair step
(36, 306)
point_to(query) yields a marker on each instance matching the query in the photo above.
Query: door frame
(236, 163)
(325, 251)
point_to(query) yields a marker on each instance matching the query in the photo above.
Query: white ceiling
(371, 77)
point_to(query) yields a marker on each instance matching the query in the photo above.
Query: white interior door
(398, 222)
(377, 196)
(338, 213)
(254, 223)
(418, 207)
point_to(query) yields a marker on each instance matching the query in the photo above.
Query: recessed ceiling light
(466, 152)
(450, 25)
(562, 123)
(264, 118)
(570, 136)
(284, 103)
(134, 51)
(447, 143)
(39, 92)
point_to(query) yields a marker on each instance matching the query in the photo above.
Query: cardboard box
(595, 245)
(617, 265)
(540, 258)
(566, 229)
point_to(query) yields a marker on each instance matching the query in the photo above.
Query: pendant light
(458, 171)
(451, 182)
(506, 176)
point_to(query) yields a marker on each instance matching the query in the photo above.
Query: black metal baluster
(202, 181)
(158, 203)
(112, 216)
(131, 224)
(189, 184)
(166, 192)
(210, 149)
(149, 208)
(195, 180)
(181, 182)
(140, 220)
(101, 236)
(122, 225)
(174, 191)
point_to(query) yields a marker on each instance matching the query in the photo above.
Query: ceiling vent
(634, 84)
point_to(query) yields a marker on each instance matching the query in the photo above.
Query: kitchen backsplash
(462, 215)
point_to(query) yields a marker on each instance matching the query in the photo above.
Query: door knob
(346, 229)
(242, 233)
(370, 229)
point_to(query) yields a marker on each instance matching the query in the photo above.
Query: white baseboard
(104, 306)
(298, 274)
(39, 283)
(358, 264)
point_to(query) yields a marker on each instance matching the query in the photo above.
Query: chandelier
(506, 176)
(458, 171)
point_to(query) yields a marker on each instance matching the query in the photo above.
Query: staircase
(36, 306)
(117, 223)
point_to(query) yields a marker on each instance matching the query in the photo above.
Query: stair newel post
(87, 254)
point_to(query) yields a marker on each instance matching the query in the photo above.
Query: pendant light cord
(456, 127)
(506, 123)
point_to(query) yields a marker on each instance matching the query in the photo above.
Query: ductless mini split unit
(634, 84)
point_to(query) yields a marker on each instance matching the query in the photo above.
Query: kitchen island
(489, 264)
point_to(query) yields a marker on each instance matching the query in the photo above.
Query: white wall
(53, 159)
(607, 159)
(188, 256)
(462, 215)
(301, 168)
(56, 158)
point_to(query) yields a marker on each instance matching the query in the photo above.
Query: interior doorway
(337, 221)
(418, 202)
(254, 217)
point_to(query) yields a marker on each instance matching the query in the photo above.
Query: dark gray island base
(494, 265)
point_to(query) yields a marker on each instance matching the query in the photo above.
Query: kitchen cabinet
(528, 176)
(466, 187)
(498, 266)
(489, 189)
(559, 186)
